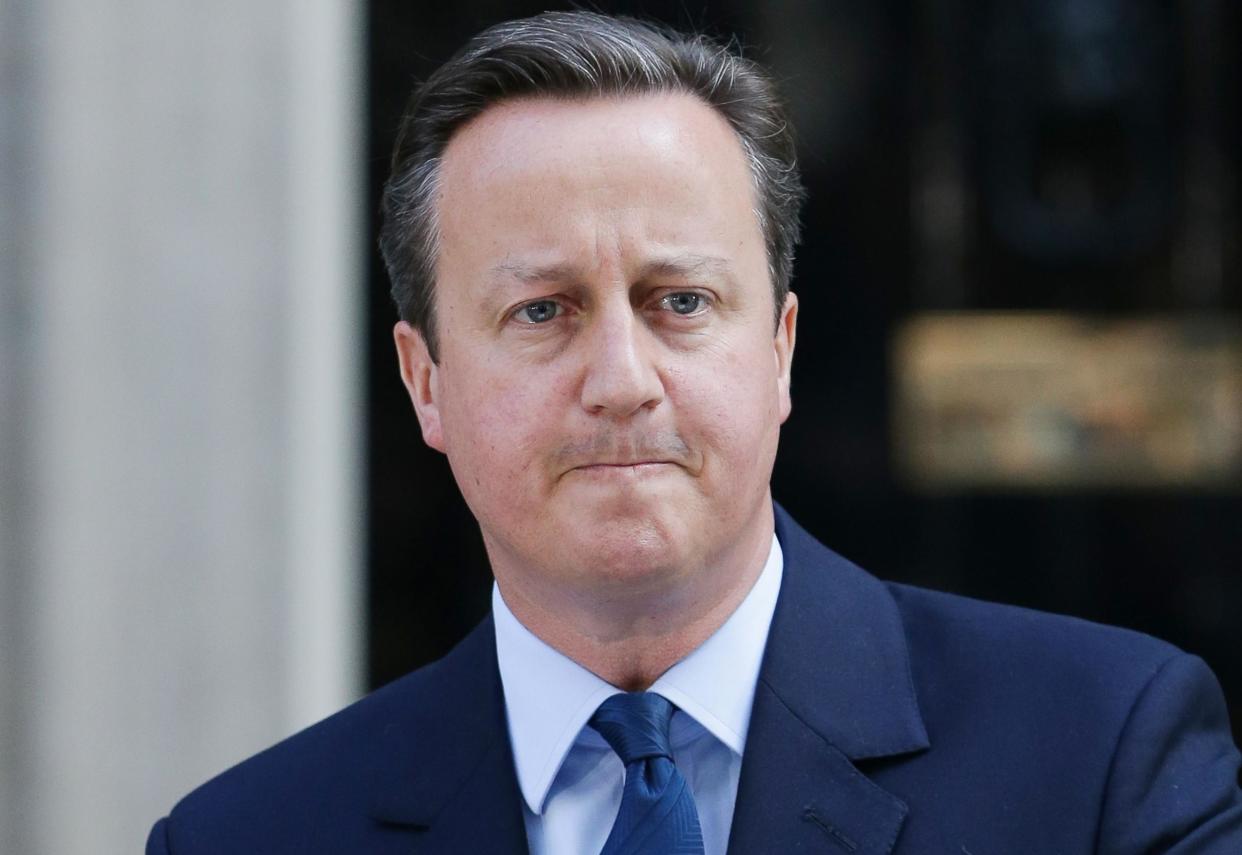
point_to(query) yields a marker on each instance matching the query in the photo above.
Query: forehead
(669, 124)
(547, 176)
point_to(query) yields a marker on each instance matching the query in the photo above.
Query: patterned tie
(657, 815)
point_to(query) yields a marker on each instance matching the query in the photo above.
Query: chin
(627, 551)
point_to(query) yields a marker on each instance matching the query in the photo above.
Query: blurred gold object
(1062, 400)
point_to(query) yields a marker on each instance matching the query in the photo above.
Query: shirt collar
(549, 698)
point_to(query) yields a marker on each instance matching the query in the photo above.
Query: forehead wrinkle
(526, 273)
(689, 265)
(683, 265)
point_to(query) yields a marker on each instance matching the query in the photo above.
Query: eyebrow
(689, 265)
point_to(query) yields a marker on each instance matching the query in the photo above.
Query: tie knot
(635, 725)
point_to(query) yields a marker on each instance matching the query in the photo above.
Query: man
(589, 227)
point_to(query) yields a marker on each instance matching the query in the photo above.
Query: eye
(539, 312)
(683, 302)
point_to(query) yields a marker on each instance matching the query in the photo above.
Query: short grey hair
(579, 55)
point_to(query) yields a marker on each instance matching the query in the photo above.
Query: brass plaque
(1060, 400)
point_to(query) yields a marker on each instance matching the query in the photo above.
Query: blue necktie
(657, 815)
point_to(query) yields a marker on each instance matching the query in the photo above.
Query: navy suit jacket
(886, 719)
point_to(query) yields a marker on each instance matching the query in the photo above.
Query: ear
(786, 335)
(421, 377)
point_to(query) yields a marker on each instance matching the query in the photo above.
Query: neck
(631, 642)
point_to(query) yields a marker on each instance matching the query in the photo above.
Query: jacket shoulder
(1038, 651)
(319, 789)
(291, 793)
(1124, 738)
(1036, 690)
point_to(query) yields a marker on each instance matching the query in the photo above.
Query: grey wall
(179, 416)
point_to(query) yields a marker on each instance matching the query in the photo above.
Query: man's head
(578, 55)
(608, 385)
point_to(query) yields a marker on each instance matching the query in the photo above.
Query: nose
(621, 376)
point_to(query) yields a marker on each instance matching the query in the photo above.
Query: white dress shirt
(571, 781)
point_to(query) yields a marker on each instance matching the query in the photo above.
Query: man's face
(609, 389)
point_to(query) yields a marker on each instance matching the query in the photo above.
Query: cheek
(733, 408)
(495, 426)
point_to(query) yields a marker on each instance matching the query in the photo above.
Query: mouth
(628, 469)
(629, 458)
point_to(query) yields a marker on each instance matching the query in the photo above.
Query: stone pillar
(180, 343)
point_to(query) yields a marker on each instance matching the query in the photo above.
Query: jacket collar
(835, 689)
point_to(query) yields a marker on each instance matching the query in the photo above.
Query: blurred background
(1019, 374)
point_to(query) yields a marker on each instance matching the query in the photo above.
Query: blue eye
(683, 302)
(539, 312)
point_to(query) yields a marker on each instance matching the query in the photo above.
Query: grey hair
(578, 55)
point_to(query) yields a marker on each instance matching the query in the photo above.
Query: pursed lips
(625, 464)
(635, 467)
(615, 457)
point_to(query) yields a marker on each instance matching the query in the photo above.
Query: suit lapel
(447, 778)
(834, 689)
